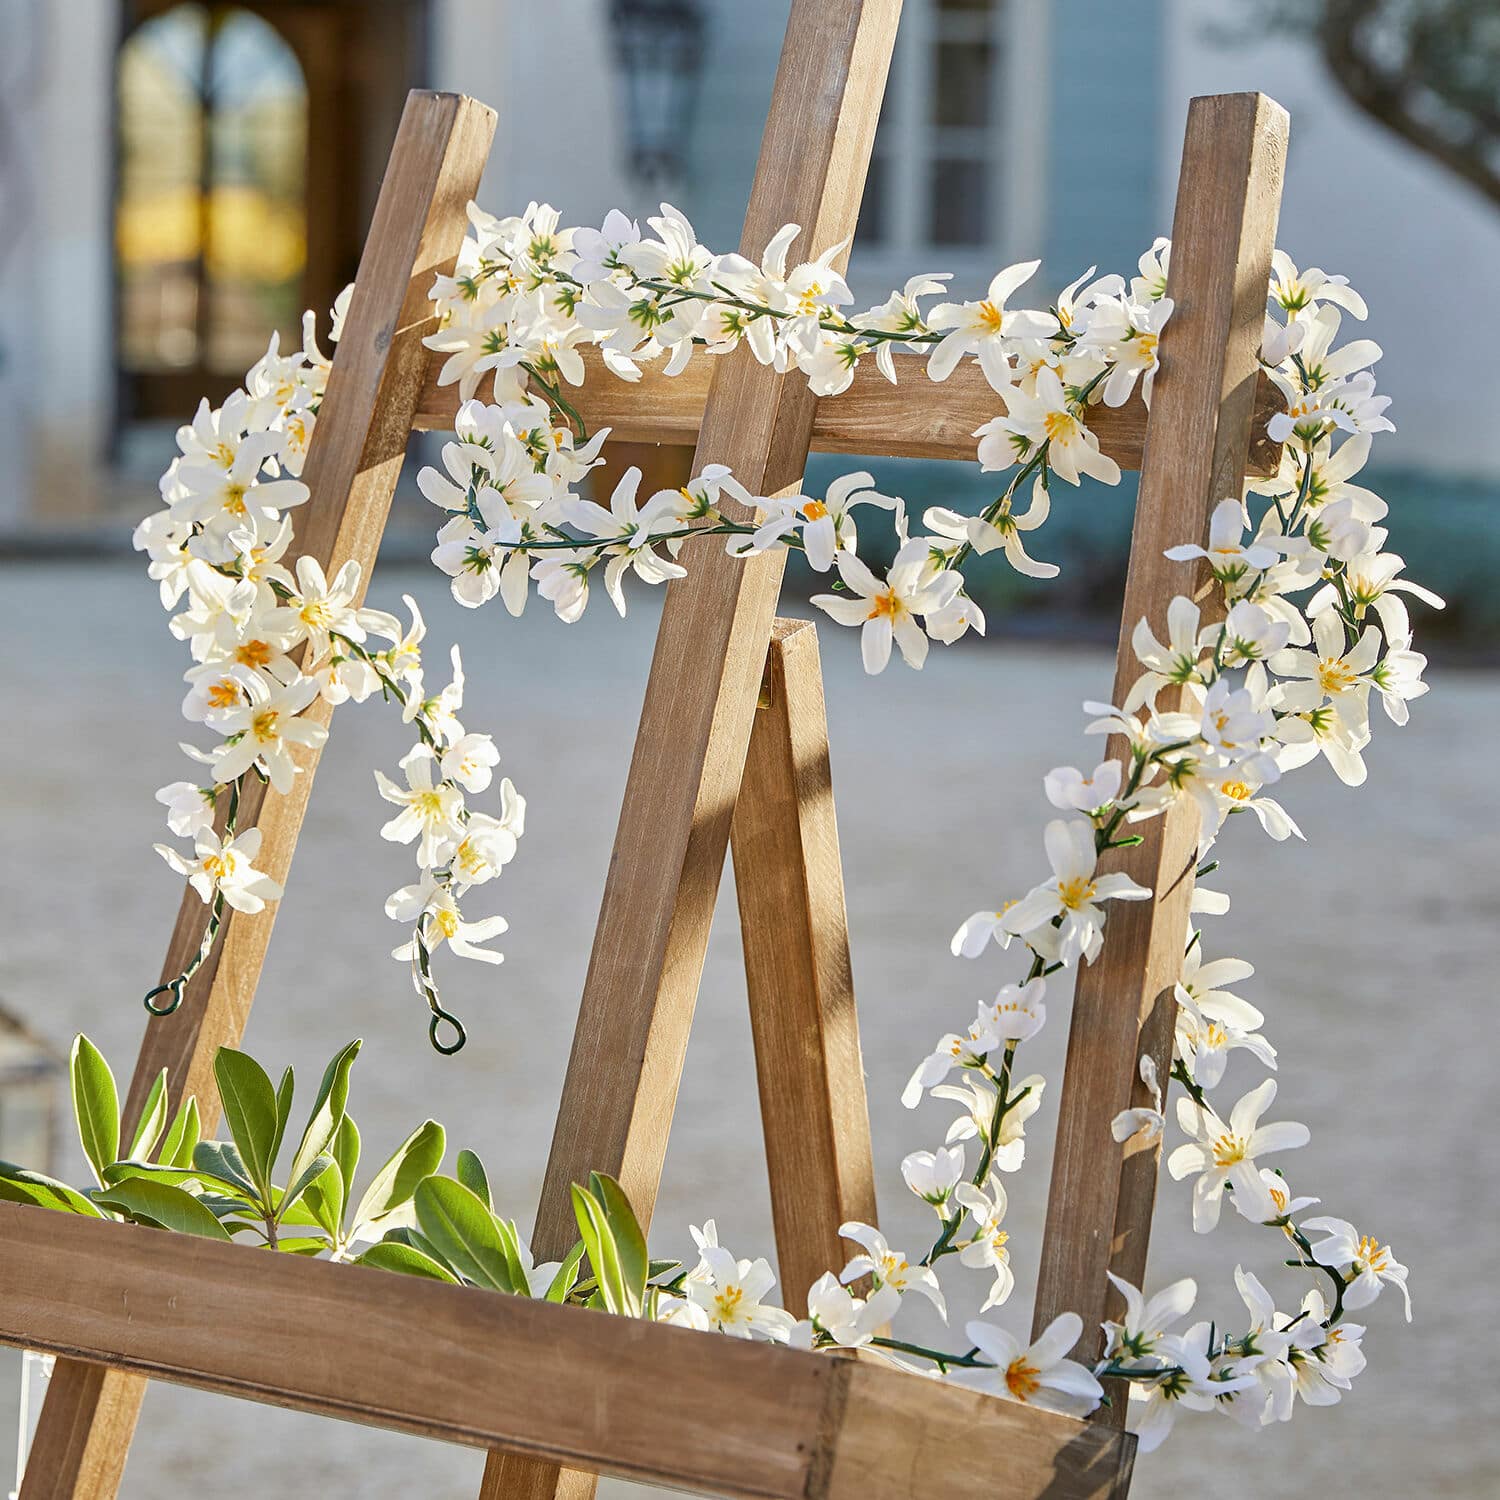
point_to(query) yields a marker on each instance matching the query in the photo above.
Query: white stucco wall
(1420, 245)
(547, 72)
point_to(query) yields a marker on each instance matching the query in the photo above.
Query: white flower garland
(1308, 620)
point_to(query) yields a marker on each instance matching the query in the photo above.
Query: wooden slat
(790, 885)
(647, 958)
(355, 457)
(625, 1397)
(1228, 196)
(916, 418)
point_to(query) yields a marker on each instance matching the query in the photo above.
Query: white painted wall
(55, 383)
(1420, 245)
(547, 71)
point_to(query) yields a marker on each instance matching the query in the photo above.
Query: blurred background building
(178, 178)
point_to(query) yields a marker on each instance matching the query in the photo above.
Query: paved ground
(1374, 944)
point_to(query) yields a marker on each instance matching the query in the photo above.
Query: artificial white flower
(887, 1267)
(1046, 417)
(1223, 1154)
(731, 1294)
(1365, 1264)
(1069, 789)
(932, 1175)
(224, 868)
(1229, 557)
(267, 726)
(850, 1321)
(431, 811)
(436, 909)
(1002, 530)
(988, 1248)
(980, 1099)
(983, 328)
(888, 610)
(1038, 1375)
(190, 808)
(1073, 893)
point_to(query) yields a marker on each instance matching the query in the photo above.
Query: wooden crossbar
(1223, 233)
(630, 1398)
(916, 418)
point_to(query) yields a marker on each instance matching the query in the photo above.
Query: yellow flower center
(316, 614)
(886, 604)
(1061, 426)
(234, 499)
(447, 922)
(1145, 344)
(253, 653)
(225, 693)
(1373, 1254)
(1228, 1150)
(990, 317)
(727, 1304)
(429, 804)
(814, 510)
(808, 303)
(1334, 676)
(1022, 1380)
(264, 725)
(1236, 789)
(1076, 892)
(217, 865)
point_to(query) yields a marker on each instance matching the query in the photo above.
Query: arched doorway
(249, 139)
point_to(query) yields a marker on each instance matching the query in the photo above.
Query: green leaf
(170, 1207)
(346, 1149)
(328, 1111)
(17, 1185)
(604, 1254)
(309, 1246)
(567, 1275)
(250, 1112)
(630, 1242)
(406, 1235)
(473, 1176)
(418, 1156)
(390, 1255)
(310, 1173)
(284, 1091)
(183, 1136)
(125, 1171)
(153, 1120)
(96, 1103)
(463, 1231)
(510, 1243)
(322, 1203)
(219, 1159)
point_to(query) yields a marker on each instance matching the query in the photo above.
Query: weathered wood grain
(642, 983)
(916, 418)
(790, 886)
(640, 1400)
(1228, 196)
(352, 465)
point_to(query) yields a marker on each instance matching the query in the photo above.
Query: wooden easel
(559, 1393)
